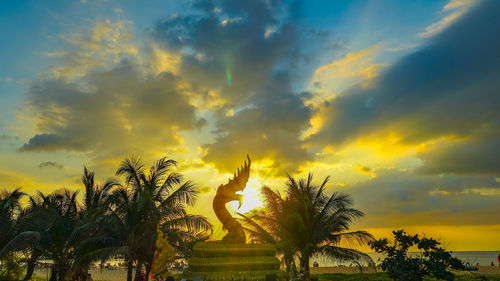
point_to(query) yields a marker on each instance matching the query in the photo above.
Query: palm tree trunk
(148, 271)
(129, 270)
(138, 269)
(60, 269)
(31, 264)
(84, 271)
(304, 265)
(62, 275)
(53, 274)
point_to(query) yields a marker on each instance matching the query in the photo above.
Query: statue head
(239, 180)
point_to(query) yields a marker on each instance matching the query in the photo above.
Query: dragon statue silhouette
(227, 193)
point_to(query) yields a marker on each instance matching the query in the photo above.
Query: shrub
(11, 268)
(433, 260)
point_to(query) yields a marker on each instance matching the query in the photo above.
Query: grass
(383, 277)
(352, 276)
(372, 277)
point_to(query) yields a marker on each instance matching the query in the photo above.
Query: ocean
(471, 257)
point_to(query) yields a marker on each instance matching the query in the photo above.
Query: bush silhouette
(433, 261)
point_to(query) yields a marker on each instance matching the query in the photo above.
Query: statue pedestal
(224, 261)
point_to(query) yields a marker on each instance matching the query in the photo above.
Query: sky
(396, 100)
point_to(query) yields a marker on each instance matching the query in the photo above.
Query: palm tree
(59, 213)
(31, 223)
(269, 225)
(10, 208)
(308, 222)
(159, 197)
(93, 216)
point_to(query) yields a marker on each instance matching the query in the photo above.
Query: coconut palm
(269, 225)
(322, 222)
(10, 208)
(59, 213)
(31, 223)
(93, 215)
(157, 197)
(308, 222)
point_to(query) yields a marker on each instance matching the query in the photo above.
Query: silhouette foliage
(433, 261)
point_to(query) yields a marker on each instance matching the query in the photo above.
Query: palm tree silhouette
(307, 222)
(159, 197)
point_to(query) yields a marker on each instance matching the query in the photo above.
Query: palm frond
(257, 232)
(131, 167)
(184, 194)
(20, 241)
(344, 254)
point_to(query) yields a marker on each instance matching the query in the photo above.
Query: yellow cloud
(209, 99)
(163, 61)
(316, 123)
(458, 9)
(365, 170)
(458, 3)
(354, 68)
(345, 67)
(104, 43)
(384, 144)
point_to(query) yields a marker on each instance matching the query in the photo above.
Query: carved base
(222, 261)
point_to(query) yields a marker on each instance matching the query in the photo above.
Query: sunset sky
(398, 101)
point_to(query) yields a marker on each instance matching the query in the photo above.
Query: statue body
(227, 193)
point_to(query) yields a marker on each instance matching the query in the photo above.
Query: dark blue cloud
(50, 164)
(52, 142)
(450, 87)
(453, 197)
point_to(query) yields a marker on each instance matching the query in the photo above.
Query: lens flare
(229, 78)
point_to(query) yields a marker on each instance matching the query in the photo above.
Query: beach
(121, 273)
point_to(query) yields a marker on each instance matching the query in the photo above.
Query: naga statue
(227, 193)
(232, 258)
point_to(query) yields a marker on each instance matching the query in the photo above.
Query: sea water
(471, 257)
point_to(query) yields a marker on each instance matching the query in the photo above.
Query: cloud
(222, 69)
(353, 68)
(245, 55)
(118, 111)
(205, 189)
(50, 164)
(269, 131)
(455, 9)
(53, 142)
(406, 198)
(365, 170)
(103, 43)
(447, 89)
(462, 157)
(109, 112)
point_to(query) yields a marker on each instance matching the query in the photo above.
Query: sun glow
(252, 197)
